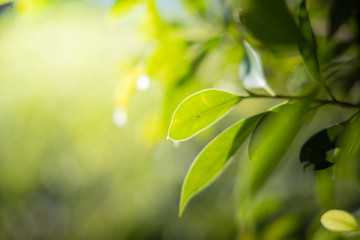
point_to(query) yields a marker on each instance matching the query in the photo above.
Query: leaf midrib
(202, 114)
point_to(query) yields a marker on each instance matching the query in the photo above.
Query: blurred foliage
(89, 88)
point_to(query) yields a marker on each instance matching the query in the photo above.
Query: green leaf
(211, 161)
(5, 1)
(199, 111)
(251, 70)
(347, 160)
(122, 7)
(271, 139)
(338, 221)
(307, 44)
(270, 21)
(197, 6)
(314, 151)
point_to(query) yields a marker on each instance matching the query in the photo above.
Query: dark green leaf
(307, 44)
(270, 21)
(340, 12)
(314, 151)
(213, 158)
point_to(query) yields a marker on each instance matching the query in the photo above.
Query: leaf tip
(183, 203)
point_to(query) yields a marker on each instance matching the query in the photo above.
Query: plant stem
(330, 93)
(321, 101)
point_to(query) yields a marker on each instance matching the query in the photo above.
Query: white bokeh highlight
(143, 83)
(120, 117)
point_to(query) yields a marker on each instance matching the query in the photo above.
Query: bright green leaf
(307, 44)
(251, 70)
(199, 111)
(214, 157)
(338, 221)
(5, 1)
(122, 7)
(197, 6)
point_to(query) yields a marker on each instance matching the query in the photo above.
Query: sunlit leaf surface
(251, 70)
(122, 7)
(198, 111)
(213, 158)
(338, 221)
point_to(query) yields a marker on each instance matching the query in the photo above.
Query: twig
(321, 101)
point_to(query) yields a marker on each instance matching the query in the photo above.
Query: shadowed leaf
(315, 149)
(270, 21)
(271, 139)
(340, 12)
(307, 44)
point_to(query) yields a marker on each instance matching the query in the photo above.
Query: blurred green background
(66, 170)
(83, 149)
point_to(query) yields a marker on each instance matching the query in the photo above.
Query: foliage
(338, 220)
(281, 77)
(271, 133)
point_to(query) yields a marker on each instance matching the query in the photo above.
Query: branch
(321, 101)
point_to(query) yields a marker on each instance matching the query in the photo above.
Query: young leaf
(307, 44)
(338, 221)
(214, 157)
(271, 139)
(314, 150)
(251, 70)
(198, 111)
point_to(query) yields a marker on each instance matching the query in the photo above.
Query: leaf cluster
(304, 53)
(271, 133)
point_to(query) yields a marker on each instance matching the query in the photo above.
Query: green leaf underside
(338, 221)
(251, 70)
(315, 149)
(212, 160)
(307, 44)
(199, 111)
(271, 139)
